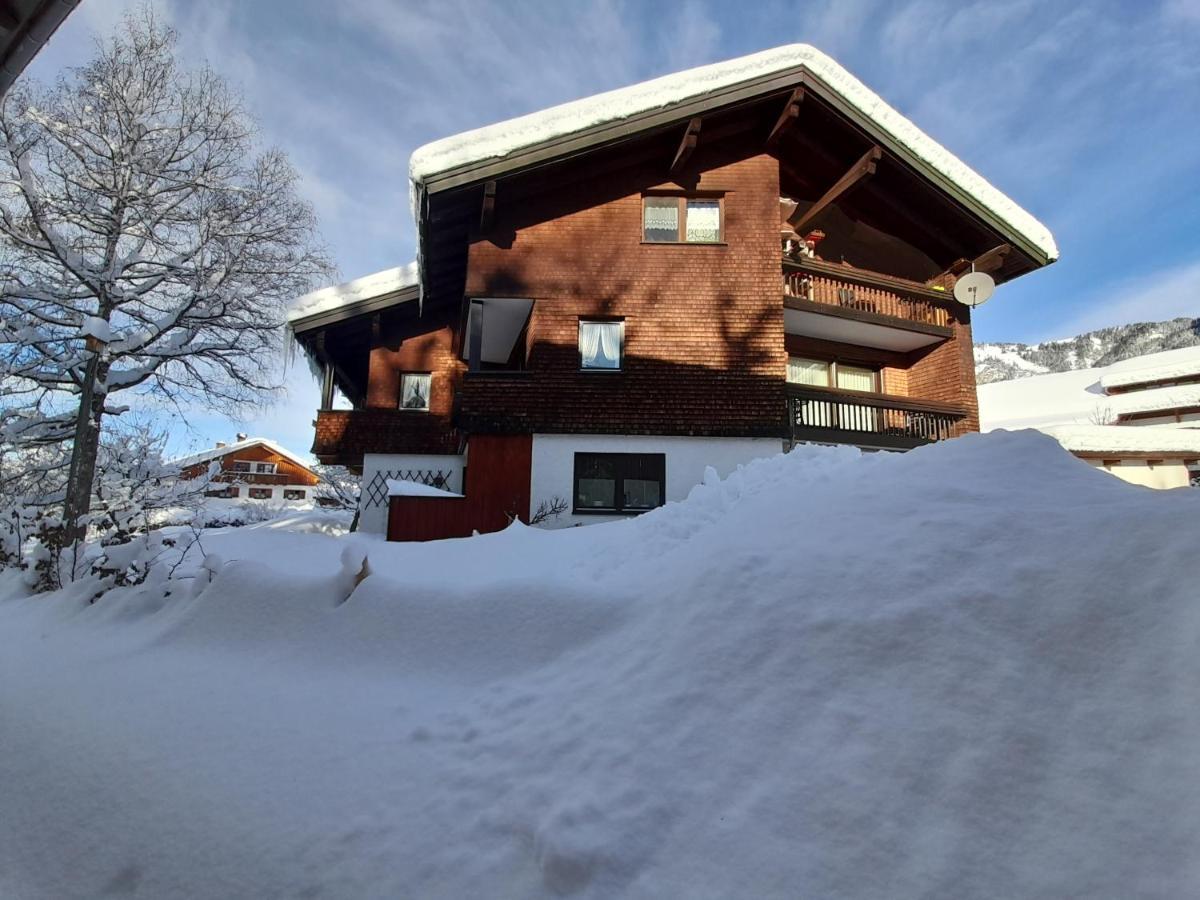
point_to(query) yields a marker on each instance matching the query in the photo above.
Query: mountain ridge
(1003, 361)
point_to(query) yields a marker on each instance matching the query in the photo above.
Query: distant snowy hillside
(1001, 362)
(975, 677)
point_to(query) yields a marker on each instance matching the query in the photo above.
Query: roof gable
(574, 127)
(212, 453)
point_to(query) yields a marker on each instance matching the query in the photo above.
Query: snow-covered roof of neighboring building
(368, 287)
(593, 114)
(1181, 363)
(237, 446)
(1040, 400)
(1118, 439)
(1155, 399)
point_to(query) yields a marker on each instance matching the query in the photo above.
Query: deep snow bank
(968, 671)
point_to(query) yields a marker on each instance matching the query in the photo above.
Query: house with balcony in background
(252, 468)
(613, 294)
(1138, 419)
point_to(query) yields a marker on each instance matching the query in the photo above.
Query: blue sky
(1086, 113)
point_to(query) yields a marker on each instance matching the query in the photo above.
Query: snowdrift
(969, 671)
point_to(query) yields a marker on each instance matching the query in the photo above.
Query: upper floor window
(414, 390)
(254, 468)
(682, 220)
(820, 373)
(601, 344)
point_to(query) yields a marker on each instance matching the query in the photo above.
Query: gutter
(29, 37)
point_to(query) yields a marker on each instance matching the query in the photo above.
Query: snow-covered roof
(1117, 439)
(236, 447)
(806, 63)
(405, 488)
(1155, 399)
(368, 287)
(1182, 363)
(1040, 400)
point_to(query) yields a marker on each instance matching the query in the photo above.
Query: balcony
(853, 306)
(344, 435)
(824, 415)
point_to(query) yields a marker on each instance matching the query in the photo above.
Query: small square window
(414, 391)
(601, 345)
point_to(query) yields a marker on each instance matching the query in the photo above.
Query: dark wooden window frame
(876, 370)
(682, 198)
(428, 398)
(618, 491)
(257, 490)
(293, 494)
(601, 320)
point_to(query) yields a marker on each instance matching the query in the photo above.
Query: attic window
(683, 220)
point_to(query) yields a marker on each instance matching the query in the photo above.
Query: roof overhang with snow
(361, 296)
(583, 126)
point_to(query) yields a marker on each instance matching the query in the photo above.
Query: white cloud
(1166, 294)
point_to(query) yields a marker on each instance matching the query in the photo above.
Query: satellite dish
(974, 288)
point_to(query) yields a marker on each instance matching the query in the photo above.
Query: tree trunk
(86, 447)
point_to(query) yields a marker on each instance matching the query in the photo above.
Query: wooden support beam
(985, 262)
(691, 137)
(489, 207)
(327, 386)
(356, 399)
(475, 335)
(791, 112)
(864, 168)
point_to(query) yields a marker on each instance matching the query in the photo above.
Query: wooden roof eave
(321, 320)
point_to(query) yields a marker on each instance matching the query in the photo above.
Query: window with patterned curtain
(660, 219)
(703, 221)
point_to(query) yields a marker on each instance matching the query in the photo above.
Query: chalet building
(253, 469)
(695, 271)
(1138, 419)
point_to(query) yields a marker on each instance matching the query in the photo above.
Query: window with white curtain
(414, 390)
(682, 220)
(808, 371)
(821, 373)
(600, 345)
(855, 378)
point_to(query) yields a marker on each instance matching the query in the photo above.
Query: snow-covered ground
(969, 671)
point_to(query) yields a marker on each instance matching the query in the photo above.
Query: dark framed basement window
(683, 220)
(619, 482)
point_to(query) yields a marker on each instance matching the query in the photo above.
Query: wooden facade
(708, 327)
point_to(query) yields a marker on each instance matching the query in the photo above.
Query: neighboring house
(1138, 419)
(696, 271)
(253, 469)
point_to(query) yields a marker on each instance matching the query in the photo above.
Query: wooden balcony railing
(878, 420)
(863, 292)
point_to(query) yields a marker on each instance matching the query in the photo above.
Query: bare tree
(339, 489)
(144, 246)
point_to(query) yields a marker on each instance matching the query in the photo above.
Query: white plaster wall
(373, 519)
(1170, 473)
(553, 466)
